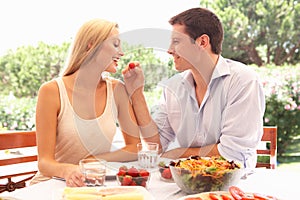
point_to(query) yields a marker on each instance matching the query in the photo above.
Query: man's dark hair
(199, 21)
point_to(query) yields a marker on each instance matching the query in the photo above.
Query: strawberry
(162, 164)
(143, 183)
(133, 183)
(144, 172)
(127, 180)
(134, 172)
(121, 172)
(131, 65)
(166, 173)
(123, 167)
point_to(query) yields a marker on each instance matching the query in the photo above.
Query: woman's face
(110, 52)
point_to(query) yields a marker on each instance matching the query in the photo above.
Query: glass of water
(94, 171)
(147, 154)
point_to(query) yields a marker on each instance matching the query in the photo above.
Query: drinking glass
(94, 171)
(147, 154)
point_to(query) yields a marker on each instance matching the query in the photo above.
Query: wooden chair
(17, 166)
(269, 136)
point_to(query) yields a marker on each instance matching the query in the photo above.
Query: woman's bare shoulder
(49, 87)
(116, 83)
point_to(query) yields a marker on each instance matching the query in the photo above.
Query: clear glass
(94, 171)
(147, 154)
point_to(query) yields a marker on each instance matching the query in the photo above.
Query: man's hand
(133, 77)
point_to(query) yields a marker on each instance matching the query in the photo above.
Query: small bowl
(133, 177)
(193, 181)
(133, 181)
(165, 173)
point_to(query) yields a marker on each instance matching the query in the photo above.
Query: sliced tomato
(263, 197)
(193, 198)
(248, 198)
(213, 196)
(236, 192)
(225, 197)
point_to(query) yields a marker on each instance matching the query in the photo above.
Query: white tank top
(77, 137)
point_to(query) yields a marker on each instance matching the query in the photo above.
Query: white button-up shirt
(231, 113)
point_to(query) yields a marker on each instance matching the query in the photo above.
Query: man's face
(181, 48)
(190, 54)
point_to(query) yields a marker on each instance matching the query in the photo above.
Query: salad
(203, 174)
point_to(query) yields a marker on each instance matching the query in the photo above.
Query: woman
(76, 114)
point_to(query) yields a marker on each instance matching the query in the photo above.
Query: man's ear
(203, 41)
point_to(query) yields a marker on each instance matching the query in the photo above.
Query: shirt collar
(221, 68)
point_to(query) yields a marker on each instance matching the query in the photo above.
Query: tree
(24, 70)
(259, 32)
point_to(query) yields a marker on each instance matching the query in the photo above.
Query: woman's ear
(203, 41)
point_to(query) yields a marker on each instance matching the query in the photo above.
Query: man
(214, 106)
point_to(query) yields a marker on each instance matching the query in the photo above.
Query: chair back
(15, 162)
(269, 149)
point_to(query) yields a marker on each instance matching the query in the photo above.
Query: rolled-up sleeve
(242, 120)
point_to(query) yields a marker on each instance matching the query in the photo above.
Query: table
(280, 183)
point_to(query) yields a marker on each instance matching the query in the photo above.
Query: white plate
(123, 190)
(8, 198)
(205, 195)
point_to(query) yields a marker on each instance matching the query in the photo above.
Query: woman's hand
(73, 177)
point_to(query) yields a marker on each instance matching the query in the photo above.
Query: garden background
(262, 34)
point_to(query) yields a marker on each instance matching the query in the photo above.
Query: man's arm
(209, 150)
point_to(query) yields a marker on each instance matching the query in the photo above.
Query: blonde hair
(87, 41)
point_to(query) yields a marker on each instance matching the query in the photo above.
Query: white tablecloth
(280, 183)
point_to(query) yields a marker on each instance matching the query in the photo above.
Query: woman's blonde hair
(87, 41)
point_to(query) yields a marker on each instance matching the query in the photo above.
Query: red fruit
(143, 183)
(263, 197)
(144, 172)
(127, 180)
(225, 197)
(213, 196)
(121, 172)
(131, 65)
(123, 167)
(166, 173)
(134, 172)
(239, 194)
(133, 183)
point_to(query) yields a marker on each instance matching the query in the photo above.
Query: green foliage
(259, 32)
(24, 70)
(17, 113)
(282, 90)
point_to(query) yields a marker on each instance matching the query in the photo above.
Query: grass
(290, 163)
(293, 166)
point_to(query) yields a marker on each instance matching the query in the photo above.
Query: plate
(8, 198)
(110, 192)
(205, 195)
